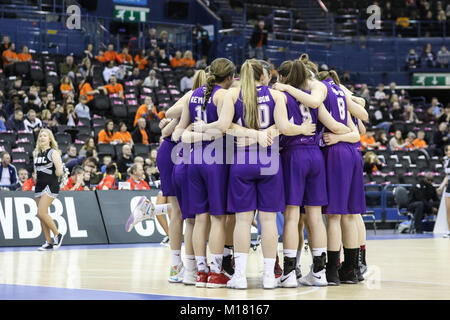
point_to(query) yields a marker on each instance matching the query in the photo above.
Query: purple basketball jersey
(335, 102)
(297, 113)
(209, 114)
(357, 145)
(266, 106)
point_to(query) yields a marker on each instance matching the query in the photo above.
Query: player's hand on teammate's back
(309, 128)
(199, 125)
(330, 138)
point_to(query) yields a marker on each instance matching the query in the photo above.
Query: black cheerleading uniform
(46, 179)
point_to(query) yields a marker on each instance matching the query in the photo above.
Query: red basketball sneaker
(202, 279)
(278, 271)
(217, 280)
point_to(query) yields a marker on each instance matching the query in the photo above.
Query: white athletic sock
(216, 262)
(297, 262)
(290, 253)
(202, 265)
(191, 264)
(240, 263)
(161, 209)
(176, 257)
(269, 265)
(317, 252)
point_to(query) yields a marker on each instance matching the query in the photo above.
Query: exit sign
(131, 14)
(431, 79)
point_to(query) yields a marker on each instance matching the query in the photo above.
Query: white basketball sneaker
(269, 281)
(237, 282)
(190, 277)
(316, 279)
(144, 210)
(447, 235)
(288, 281)
(176, 274)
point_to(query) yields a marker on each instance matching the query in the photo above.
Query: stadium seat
(141, 150)
(104, 148)
(63, 138)
(8, 136)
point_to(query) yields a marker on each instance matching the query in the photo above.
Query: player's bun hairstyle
(220, 70)
(323, 75)
(298, 75)
(284, 69)
(309, 64)
(199, 79)
(251, 72)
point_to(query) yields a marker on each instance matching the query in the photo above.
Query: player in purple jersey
(305, 180)
(252, 111)
(208, 173)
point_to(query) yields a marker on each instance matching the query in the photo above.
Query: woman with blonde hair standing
(49, 167)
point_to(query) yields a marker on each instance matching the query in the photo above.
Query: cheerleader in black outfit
(49, 167)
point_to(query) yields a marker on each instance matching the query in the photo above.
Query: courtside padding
(85, 217)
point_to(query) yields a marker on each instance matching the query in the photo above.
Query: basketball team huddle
(234, 148)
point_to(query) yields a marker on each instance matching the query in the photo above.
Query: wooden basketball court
(400, 267)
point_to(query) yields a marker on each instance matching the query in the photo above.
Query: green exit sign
(131, 14)
(431, 79)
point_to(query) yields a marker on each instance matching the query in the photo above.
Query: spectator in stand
(412, 59)
(152, 41)
(436, 109)
(423, 199)
(6, 43)
(135, 77)
(440, 139)
(32, 123)
(443, 57)
(22, 174)
(9, 58)
(86, 90)
(111, 54)
(162, 59)
(410, 116)
(2, 124)
(66, 86)
(125, 160)
(368, 141)
(30, 183)
(397, 112)
(109, 181)
(141, 60)
(107, 134)
(101, 56)
(200, 37)
(371, 163)
(89, 145)
(8, 172)
(187, 81)
(86, 68)
(124, 57)
(147, 111)
(419, 142)
(428, 58)
(68, 68)
(25, 55)
(76, 180)
(107, 159)
(113, 87)
(445, 117)
(166, 44)
(110, 70)
(123, 135)
(71, 116)
(177, 61)
(48, 121)
(202, 63)
(397, 142)
(89, 52)
(81, 109)
(380, 94)
(381, 138)
(258, 41)
(71, 153)
(140, 133)
(151, 81)
(136, 178)
(410, 137)
(188, 60)
(15, 122)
